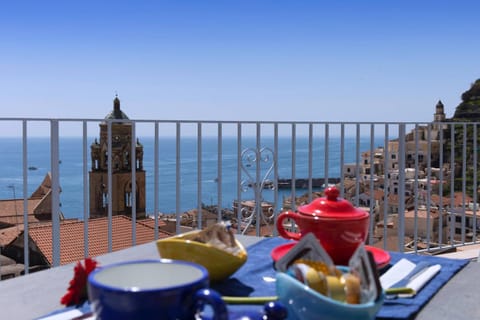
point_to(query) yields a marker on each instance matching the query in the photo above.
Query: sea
(212, 174)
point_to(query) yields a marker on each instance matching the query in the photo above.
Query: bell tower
(439, 115)
(122, 162)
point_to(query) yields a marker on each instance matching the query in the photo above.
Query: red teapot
(335, 222)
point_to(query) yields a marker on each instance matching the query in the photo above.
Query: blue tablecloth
(254, 279)
(250, 279)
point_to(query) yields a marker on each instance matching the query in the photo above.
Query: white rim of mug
(204, 274)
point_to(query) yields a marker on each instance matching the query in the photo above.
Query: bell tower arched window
(128, 196)
(104, 196)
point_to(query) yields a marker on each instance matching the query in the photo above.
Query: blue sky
(237, 60)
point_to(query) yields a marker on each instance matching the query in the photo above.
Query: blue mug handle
(212, 298)
(272, 310)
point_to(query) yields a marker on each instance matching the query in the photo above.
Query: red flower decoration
(77, 290)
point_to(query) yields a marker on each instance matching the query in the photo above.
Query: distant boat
(32, 168)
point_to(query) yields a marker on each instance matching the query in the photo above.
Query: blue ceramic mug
(152, 289)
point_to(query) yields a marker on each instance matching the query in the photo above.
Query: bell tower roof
(116, 113)
(439, 105)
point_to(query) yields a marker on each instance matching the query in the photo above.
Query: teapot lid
(332, 206)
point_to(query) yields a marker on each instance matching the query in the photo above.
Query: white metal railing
(299, 150)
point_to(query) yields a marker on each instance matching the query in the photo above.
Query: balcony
(415, 179)
(187, 174)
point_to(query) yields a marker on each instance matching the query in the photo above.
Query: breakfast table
(37, 295)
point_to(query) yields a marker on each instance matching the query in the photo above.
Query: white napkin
(401, 269)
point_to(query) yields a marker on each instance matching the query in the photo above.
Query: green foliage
(469, 108)
(473, 92)
(467, 111)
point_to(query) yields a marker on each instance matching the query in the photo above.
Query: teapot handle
(281, 230)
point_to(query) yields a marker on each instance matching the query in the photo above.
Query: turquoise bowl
(304, 303)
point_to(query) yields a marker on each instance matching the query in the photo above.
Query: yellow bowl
(219, 263)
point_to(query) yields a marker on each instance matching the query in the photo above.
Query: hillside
(469, 108)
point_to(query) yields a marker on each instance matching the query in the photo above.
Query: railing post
(156, 188)
(110, 185)
(26, 247)
(373, 205)
(133, 171)
(326, 156)
(452, 185)
(474, 184)
(415, 192)
(310, 161)
(219, 171)
(55, 160)
(256, 185)
(401, 187)
(385, 184)
(178, 179)
(275, 177)
(342, 160)
(239, 180)
(86, 207)
(357, 165)
(199, 176)
(294, 164)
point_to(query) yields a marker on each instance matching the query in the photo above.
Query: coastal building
(39, 208)
(422, 153)
(417, 144)
(123, 159)
(423, 224)
(465, 222)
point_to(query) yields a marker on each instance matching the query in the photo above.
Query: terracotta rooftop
(458, 199)
(377, 194)
(38, 206)
(422, 213)
(151, 223)
(72, 238)
(11, 211)
(391, 243)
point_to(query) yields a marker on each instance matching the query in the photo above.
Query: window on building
(105, 200)
(126, 160)
(106, 159)
(128, 199)
(128, 196)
